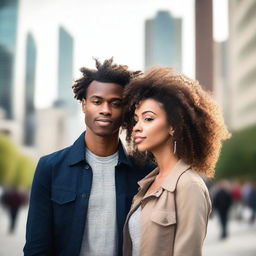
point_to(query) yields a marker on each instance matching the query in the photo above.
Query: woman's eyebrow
(148, 111)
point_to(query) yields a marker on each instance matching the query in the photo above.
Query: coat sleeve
(193, 208)
(39, 223)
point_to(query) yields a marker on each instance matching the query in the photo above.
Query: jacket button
(165, 220)
(86, 167)
(83, 195)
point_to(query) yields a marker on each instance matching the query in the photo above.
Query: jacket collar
(77, 152)
(170, 181)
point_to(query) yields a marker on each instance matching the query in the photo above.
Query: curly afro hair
(196, 119)
(108, 72)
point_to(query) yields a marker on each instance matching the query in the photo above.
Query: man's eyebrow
(113, 99)
(101, 98)
(95, 96)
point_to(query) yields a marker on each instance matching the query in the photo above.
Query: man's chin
(107, 133)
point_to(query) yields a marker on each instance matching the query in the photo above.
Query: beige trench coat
(173, 219)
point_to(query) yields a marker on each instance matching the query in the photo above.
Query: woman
(171, 119)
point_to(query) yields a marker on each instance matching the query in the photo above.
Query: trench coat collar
(78, 149)
(170, 181)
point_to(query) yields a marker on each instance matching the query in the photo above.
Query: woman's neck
(165, 159)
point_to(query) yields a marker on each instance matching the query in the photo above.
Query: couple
(94, 199)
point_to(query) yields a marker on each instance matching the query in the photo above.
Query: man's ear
(83, 105)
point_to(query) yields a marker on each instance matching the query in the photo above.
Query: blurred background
(43, 44)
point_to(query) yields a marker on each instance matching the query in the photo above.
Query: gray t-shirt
(134, 229)
(100, 233)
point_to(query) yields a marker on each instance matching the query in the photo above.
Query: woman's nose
(137, 127)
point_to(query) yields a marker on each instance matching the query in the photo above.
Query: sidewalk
(242, 240)
(12, 244)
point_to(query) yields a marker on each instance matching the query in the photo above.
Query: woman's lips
(138, 139)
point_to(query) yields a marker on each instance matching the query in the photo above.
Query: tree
(16, 169)
(238, 156)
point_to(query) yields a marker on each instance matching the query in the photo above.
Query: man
(80, 195)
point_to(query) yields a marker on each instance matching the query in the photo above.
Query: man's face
(103, 108)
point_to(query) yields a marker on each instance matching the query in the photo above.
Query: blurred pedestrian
(252, 203)
(222, 202)
(236, 193)
(13, 199)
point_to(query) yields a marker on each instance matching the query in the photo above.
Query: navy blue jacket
(59, 200)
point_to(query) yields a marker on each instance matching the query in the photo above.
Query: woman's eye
(148, 119)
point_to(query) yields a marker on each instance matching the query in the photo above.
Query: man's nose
(105, 110)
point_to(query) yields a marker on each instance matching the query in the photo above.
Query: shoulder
(48, 163)
(55, 157)
(192, 192)
(191, 180)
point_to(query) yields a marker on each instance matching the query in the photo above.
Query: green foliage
(16, 169)
(238, 156)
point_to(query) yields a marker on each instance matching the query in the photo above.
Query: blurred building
(242, 64)
(204, 43)
(221, 88)
(51, 132)
(65, 70)
(9, 127)
(163, 44)
(30, 74)
(8, 30)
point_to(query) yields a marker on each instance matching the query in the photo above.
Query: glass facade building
(8, 31)
(163, 41)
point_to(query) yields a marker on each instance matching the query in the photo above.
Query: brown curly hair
(194, 116)
(108, 72)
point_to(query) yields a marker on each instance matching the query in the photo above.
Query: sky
(101, 28)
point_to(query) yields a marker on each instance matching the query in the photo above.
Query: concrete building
(221, 89)
(204, 43)
(163, 41)
(29, 99)
(65, 70)
(51, 133)
(242, 64)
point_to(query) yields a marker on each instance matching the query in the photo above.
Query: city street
(242, 240)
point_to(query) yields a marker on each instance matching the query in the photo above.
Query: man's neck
(101, 145)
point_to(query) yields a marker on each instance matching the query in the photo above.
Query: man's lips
(138, 139)
(103, 121)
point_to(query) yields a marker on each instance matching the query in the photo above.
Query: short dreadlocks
(108, 72)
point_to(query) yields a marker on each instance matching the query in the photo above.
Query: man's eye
(96, 102)
(116, 104)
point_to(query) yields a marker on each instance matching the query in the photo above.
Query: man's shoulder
(55, 157)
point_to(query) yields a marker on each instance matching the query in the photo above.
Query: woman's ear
(171, 132)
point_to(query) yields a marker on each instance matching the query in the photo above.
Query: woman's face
(151, 130)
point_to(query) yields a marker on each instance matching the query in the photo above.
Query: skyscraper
(242, 55)
(8, 29)
(204, 43)
(65, 70)
(30, 74)
(163, 41)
